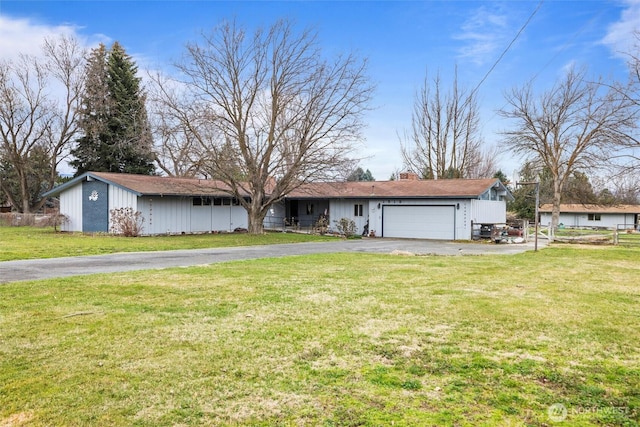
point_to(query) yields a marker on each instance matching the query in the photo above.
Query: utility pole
(537, 184)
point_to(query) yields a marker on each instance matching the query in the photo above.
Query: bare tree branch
(38, 103)
(576, 125)
(268, 112)
(444, 141)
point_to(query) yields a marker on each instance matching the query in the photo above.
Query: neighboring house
(408, 208)
(441, 209)
(589, 215)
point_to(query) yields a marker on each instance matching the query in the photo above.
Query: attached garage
(419, 222)
(444, 209)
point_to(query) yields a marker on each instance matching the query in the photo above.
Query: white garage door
(419, 222)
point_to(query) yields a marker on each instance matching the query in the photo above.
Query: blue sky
(402, 40)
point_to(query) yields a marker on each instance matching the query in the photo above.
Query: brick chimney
(409, 176)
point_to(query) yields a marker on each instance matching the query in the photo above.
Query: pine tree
(117, 137)
(89, 152)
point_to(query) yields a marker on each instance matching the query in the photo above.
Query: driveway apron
(13, 271)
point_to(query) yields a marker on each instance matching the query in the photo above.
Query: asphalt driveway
(13, 271)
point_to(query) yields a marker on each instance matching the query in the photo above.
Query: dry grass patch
(31, 242)
(346, 339)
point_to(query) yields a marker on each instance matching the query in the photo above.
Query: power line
(504, 52)
(553, 58)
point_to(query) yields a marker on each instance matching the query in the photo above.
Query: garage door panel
(419, 222)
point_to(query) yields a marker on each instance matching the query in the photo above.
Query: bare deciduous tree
(634, 66)
(445, 141)
(576, 125)
(39, 100)
(269, 112)
(177, 152)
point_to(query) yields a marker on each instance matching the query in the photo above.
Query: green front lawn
(331, 340)
(32, 242)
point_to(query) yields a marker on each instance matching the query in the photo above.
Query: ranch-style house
(579, 215)
(406, 208)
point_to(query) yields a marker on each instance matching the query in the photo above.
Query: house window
(201, 201)
(309, 208)
(593, 217)
(217, 201)
(357, 210)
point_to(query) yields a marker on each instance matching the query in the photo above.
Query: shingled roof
(442, 188)
(152, 185)
(592, 208)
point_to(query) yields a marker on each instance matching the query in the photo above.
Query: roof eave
(73, 182)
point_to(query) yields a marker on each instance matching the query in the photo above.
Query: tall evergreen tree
(117, 137)
(90, 148)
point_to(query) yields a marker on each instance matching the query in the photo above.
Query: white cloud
(485, 33)
(620, 35)
(24, 36)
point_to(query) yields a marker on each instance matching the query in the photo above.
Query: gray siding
(71, 207)
(607, 220)
(488, 212)
(228, 218)
(121, 198)
(177, 215)
(165, 215)
(345, 208)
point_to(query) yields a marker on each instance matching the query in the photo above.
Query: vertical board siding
(71, 207)
(177, 215)
(221, 218)
(239, 218)
(488, 211)
(575, 220)
(166, 215)
(201, 218)
(121, 198)
(339, 209)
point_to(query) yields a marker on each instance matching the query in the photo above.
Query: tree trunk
(24, 194)
(555, 210)
(256, 220)
(256, 213)
(555, 213)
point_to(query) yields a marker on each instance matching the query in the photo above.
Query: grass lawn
(32, 242)
(331, 340)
